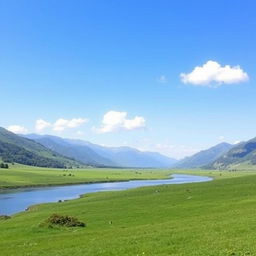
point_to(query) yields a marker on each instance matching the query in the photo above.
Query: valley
(127, 128)
(154, 220)
(145, 221)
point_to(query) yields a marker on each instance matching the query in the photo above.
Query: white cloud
(162, 79)
(114, 121)
(42, 124)
(17, 129)
(213, 73)
(62, 124)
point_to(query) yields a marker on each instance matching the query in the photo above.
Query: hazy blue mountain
(14, 148)
(67, 148)
(130, 157)
(204, 157)
(127, 156)
(244, 152)
(104, 156)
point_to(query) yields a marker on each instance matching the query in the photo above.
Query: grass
(202, 219)
(25, 176)
(243, 166)
(221, 174)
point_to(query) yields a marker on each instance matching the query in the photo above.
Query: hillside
(129, 157)
(65, 147)
(204, 157)
(243, 153)
(14, 148)
(93, 154)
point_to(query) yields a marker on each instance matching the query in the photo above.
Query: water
(16, 200)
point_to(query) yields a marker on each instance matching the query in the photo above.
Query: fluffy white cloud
(42, 124)
(17, 129)
(213, 73)
(60, 124)
(114, 121)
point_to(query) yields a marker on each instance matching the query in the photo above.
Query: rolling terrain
(214, 218)
(97, 155)
(14, 148)
(242, 154)
(71, 149)
(204, 157)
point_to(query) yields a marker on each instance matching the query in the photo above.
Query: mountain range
(53, 151)
(204, 157)
(240, 154)
(223, 156)
(96, 155)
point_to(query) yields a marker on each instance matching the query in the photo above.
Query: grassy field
(21, 176)
(216, 174)
(25, 176)
(212, 218)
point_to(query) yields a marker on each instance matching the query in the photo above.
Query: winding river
(16, 200)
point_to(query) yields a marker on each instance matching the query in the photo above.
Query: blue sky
(70, 63)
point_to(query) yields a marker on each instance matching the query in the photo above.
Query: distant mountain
(90, 153)
(14, 148)
(244, 152)
(130, 157)
(204, 157)
(71, 149)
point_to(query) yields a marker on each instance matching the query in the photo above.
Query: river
(16, 200)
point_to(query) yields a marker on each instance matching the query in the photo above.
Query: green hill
(204, 157)
(69, 148)
(14, 148)
(243, 153)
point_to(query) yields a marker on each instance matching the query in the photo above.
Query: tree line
(11, 153)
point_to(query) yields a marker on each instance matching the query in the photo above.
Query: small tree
(4, 166)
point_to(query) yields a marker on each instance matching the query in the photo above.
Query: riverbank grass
(27, 176)
(215, 218)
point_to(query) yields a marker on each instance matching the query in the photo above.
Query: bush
(4, 217)
(3, 165)
(65, 221)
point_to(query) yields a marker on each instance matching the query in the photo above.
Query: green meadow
(212, 218)
(25, 176)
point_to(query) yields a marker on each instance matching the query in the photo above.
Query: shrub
(65, 221)
(3, 165)
(4, 217)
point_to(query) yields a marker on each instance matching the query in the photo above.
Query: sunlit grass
(20, 175)
(214, 218)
